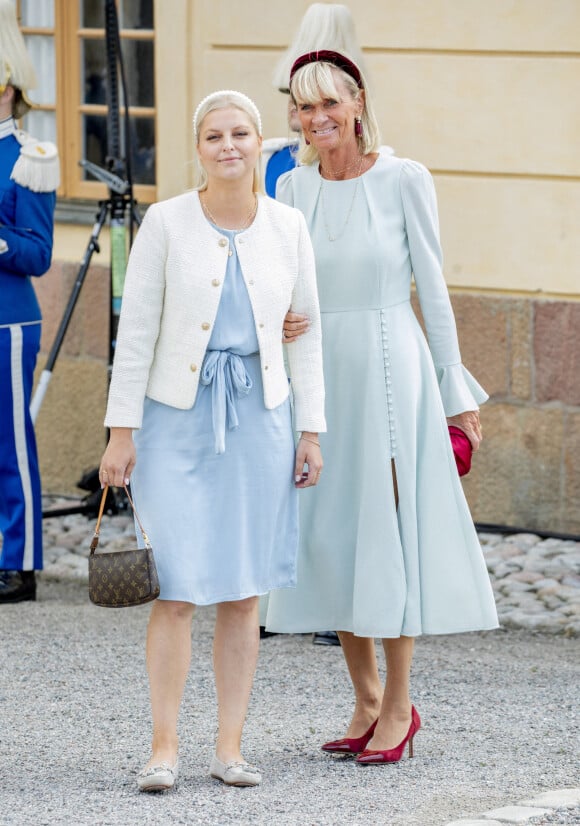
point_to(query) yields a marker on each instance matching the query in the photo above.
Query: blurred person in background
(29, 177)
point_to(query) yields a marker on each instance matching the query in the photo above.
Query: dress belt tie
(229, 379)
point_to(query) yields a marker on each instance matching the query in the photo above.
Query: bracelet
(306, 439)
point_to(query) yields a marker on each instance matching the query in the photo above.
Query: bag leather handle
(95, 539)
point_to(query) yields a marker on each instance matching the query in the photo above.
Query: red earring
(358, 128)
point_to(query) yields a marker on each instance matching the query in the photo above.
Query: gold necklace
(329, 173)
(338, 235)
(246, 223)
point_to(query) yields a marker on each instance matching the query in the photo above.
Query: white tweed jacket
(171, 295)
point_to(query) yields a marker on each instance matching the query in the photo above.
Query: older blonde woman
(323, 26)
(199, 380)
(388, 548)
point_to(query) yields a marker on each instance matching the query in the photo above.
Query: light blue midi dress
(364, 564)
(214, 485)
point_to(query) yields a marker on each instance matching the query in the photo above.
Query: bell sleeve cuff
(459, 390)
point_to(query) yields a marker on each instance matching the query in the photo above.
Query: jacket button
(193, 367)
(251, 282)
(261, 326)
(215, 282)
(205, 326)
(223, 242)
(265, 367)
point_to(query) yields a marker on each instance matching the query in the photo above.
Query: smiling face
(228, 146)
(328, 123)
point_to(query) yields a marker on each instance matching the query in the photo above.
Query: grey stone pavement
(499, 743)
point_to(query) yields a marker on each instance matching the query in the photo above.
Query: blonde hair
(314, 83)
(324, 26)
(225, 99)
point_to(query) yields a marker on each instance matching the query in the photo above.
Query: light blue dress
(364, 564)
(214, 485)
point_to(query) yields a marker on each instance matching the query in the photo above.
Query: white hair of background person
(324, 26)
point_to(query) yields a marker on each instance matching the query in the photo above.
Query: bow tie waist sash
(226, 372)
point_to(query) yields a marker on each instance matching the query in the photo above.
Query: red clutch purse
(462, 449)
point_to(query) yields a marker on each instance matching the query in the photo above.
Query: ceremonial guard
(29, 177)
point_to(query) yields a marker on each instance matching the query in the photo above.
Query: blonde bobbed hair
(314, 83)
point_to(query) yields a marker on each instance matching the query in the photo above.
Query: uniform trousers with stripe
(20, 488)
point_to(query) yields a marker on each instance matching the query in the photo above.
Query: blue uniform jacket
(26, 226)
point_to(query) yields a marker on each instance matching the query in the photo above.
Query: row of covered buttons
(387, 366)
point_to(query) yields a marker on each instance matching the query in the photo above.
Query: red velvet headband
(327, 56)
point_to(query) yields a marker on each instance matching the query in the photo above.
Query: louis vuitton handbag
(119, 579)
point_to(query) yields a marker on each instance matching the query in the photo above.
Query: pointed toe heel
(350, 745)
(374, 757)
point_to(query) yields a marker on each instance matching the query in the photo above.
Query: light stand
(120, 203)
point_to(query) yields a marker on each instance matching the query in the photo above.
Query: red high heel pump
(350, 745)
(372, 757)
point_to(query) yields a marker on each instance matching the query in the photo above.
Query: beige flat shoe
(235, 773)
(158, 778)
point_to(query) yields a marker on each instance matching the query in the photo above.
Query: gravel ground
(500, 713)
(559, 816)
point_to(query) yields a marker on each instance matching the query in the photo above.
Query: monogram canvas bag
(120, 579)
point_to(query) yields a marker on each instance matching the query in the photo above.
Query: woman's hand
(295, 325)
(308, 453)
(470, 424)
(118, 459)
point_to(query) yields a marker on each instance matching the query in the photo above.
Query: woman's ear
(7, 95)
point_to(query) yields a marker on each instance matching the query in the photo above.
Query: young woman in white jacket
(200, 418)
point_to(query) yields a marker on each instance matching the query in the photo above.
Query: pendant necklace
(246, 223)
(330, 174)
(335, 236)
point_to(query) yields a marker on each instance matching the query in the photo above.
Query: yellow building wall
(483, 92)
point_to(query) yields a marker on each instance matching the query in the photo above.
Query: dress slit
(395, 485)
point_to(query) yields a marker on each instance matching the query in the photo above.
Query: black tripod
(117, 207)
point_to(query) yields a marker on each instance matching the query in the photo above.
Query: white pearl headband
(248, 101)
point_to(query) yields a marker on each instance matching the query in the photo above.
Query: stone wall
(525, 352)
(69, 427)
